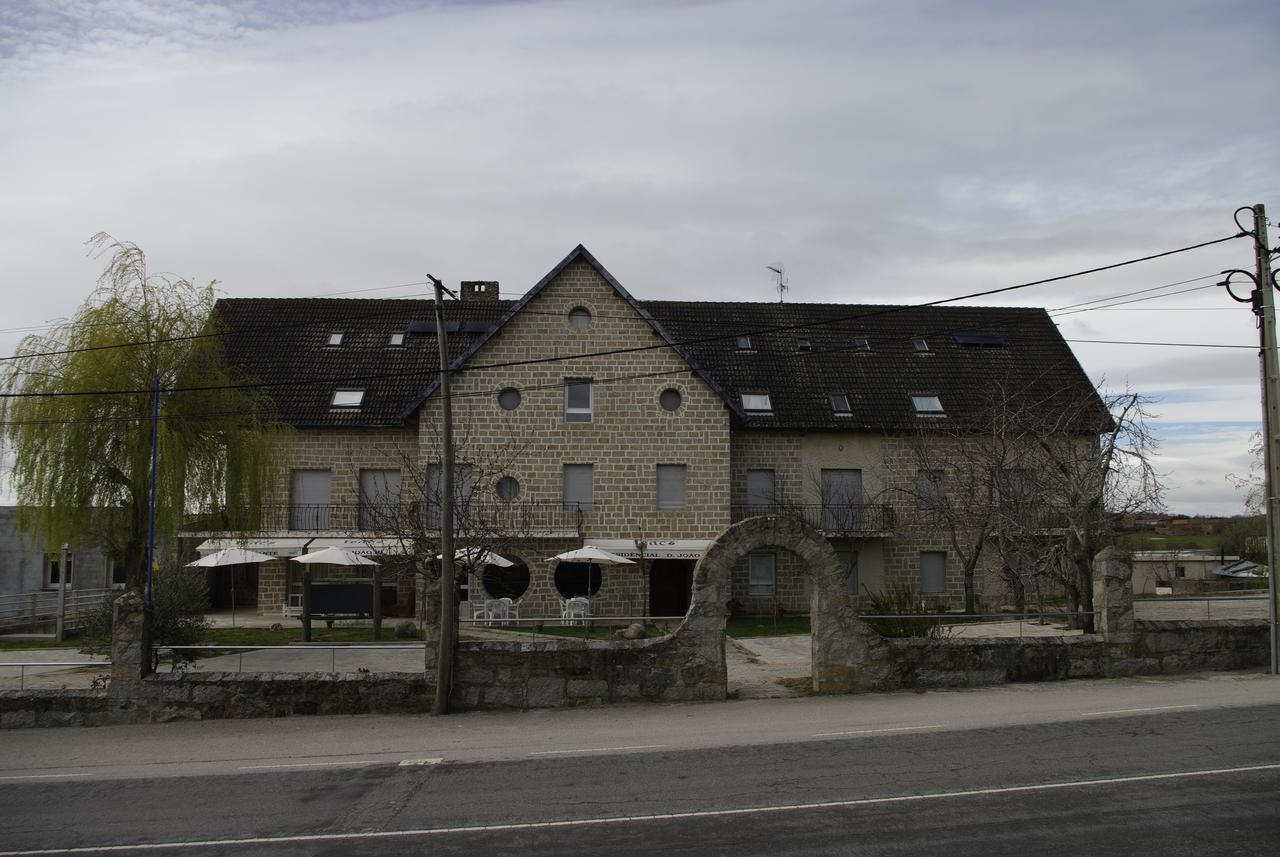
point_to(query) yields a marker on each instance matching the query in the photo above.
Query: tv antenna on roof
(780, 278)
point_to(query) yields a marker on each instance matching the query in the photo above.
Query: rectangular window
(804, 345)
(744, 343)
(379, 499)
(760, 491)
(840, 405)
(671, 486)
(929, 490)
(397, 339)
(757, 403)
(578, 487)
(1182, 571)
(463, 488)
(577, 400)
(848, 561)
(927, 405)
(116, 573)
(309, 508)
(861, 344)
(920, 345)
(53, 569)
(841, 500)
(933, 572)
(347, 398)
(334, 339)
(761, 571)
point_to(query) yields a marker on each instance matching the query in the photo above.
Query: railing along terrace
(516, 518)
(844, 518)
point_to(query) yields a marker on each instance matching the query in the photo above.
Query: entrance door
(670, 586)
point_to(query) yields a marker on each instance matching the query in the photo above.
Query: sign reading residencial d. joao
(654, 548)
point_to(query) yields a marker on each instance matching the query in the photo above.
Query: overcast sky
(885, 152)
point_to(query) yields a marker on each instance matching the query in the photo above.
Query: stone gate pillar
(131, 656)
(1113, 598)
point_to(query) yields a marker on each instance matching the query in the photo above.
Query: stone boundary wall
(916, 662)
(162, 698)
(672, 668)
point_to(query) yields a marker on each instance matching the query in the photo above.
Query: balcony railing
(505, 518)
(846, 519)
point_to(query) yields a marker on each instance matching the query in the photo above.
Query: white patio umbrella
(334, 556)
(479, 556)
(590, 554)
(231, 556)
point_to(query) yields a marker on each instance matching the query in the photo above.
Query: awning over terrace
(288, 546)
(653, 548)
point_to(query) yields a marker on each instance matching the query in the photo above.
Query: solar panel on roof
(475, 327)
(422, 327)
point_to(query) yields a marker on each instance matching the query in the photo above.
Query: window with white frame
(761, 573)
(578, 400)
(396, 340)
(840, 405)
(671, 478)
(927, 406)
(757, 403)
(347, 398)
(53, 570)
(335, 339)
(309, 505)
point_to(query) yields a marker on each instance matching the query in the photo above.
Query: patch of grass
(765, 626)
(284, 636)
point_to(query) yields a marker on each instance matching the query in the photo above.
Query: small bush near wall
(902, 604)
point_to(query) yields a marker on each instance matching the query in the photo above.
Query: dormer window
(861, 343)
(921, 345)
(804, 345)
(757, 403)
(347, 398)
(840, 405)
(928, 406)
(396, 340)
(744, 343)
(335, 339)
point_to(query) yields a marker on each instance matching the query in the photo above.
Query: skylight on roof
(334, 339)
(757, 403)
(861, 343)
(920, 345)
(396, 339)
(840, 405)
(804, 345)
(744, 343)
(927, 405)
(347, 398)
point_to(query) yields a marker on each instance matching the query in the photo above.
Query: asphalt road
(908, 774)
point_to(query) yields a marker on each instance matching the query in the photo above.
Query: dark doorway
(670, 585)
(240, 579)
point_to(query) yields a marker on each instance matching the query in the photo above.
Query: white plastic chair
(493, 609)
(576, 609)
(509, 609)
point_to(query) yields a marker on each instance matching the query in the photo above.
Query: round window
(577, 579)
(509, 399)
(579, 318)
(506, 581)
(670, 399)
(508, 488)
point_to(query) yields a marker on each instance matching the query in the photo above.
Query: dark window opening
(577, 579)
(506, 581)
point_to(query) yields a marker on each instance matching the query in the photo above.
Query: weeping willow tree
(78, 412)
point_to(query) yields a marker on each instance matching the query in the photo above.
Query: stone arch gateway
(842, 646)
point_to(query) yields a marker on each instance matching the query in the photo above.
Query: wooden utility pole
(448, 596)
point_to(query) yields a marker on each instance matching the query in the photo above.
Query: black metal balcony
(470, 519)
(840, 519)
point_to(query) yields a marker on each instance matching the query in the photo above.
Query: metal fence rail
(23, 665)
(41, 605)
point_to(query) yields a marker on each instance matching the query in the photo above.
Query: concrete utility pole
(1271, 405)
(448, 597)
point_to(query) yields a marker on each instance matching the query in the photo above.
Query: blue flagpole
(151, 524)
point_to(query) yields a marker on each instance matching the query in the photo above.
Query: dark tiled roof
(281, 343)
(1033, 367)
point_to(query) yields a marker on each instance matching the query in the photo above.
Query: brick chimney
(479, 290)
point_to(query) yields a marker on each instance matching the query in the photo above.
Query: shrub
(905, 615)
(406, 630)
(179, 599)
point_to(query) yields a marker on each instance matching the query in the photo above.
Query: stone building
(584, 416)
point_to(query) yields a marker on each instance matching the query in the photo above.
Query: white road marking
(409, 763)
(44, 776)
(669, 816)
(875, 731)
(1137, 710)
(598, 749)
(310, 765)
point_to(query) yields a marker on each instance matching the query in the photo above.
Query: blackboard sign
(341, 599)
